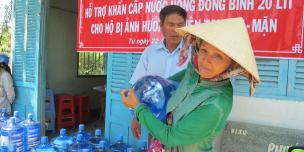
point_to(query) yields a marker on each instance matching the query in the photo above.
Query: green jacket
(199, 109)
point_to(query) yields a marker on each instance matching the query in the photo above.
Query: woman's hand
(135, 128)
(129, 98)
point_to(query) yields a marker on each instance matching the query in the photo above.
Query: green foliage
(91, 64)
(5, 29)
(5, 40)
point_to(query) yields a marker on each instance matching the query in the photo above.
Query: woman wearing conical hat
(198, 109)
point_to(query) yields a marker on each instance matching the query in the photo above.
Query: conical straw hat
(231, 37)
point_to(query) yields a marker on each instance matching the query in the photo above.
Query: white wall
(62, 56)
(262, 111)
(280, 113)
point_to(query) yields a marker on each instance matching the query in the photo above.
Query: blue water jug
(154, 92)
(12, 133)
(31, 132)
(64, 148)
(80, 145)
(98, 137)
(81, 130)
(119, 146)
(11, 148)
(17, 116)
(62, 140)
(45, 146)
(101, 147)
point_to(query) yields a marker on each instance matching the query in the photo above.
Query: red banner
(275, 26)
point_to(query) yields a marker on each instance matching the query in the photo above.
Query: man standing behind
(162, 58)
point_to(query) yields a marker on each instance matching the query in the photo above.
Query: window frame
(87, 76)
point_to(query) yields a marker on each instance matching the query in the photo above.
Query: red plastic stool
(83, 108)
(65, 111)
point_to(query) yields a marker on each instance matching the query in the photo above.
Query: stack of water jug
(18, 135)
(83, 141)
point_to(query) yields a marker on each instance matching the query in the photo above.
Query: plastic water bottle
(12, 133)
(17, 116)
(95, 140)
(154, 92)
(119, 146)
(80, 145)
(45, 146)
(31, 131)
(81, 130)
(62, 140)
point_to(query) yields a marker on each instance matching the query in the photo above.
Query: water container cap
(16, 113)
(44, 140)
(81, 127)
(30, 116)
(3, 110)
(62, 131)
(79, 137)
(97, 132)
(102, 144)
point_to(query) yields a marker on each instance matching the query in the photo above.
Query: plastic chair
(65, 111)
(50, 111)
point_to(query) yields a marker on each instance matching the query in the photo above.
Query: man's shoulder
(154, 46)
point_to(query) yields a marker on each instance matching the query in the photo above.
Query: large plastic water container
(17, 117)
(62, 140)
(12, 133)
(45, 146)
(11, 148)
(119, 146)
(81, 130)
(101, 147)
(154, 92)
(98, 137)
(64, 148)
(80, 145)
(31, 131)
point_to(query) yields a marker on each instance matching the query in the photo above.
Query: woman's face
(211, 61)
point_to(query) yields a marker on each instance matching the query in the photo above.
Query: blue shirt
(158, 60)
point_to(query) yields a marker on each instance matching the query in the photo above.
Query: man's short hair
(172, 9)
